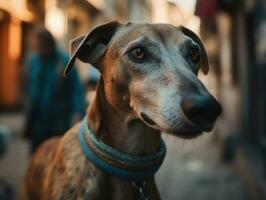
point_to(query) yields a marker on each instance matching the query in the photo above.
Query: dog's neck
(125, 133)
(119, 129)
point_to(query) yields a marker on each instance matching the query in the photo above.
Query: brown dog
(148, 85)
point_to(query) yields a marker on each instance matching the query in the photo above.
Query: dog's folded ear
(91, 48)
(204, 64)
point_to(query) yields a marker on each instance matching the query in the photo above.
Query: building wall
(10, 40)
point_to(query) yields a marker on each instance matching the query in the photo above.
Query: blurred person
(55, 102)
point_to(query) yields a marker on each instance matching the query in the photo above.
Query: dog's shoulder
(78, 177)
(38, 167)
(70, 174)
(50, 164)
(59, 170)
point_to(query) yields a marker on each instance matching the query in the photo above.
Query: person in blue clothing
(55, 103)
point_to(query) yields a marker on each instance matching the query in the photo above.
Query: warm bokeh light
(55, 19)
(18, 8)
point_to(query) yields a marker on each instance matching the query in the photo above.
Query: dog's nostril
(147, 119)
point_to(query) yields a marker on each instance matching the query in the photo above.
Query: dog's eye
(138, 53)
(194, 54)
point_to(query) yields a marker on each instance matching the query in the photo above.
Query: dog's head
(151, 70)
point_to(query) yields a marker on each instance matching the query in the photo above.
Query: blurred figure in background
(55, 102)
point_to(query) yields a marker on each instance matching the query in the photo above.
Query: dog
(148, 86)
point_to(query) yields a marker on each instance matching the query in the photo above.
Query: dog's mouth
(147, 119)
(187, 131)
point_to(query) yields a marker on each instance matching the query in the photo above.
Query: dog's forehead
(157, 32)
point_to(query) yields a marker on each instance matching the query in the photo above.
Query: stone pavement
(191, 170)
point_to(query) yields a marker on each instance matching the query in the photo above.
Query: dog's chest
(90, 183)
(95, 185)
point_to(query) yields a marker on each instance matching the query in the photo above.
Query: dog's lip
(187, 134)
(149, 122)
(147, 119)
(207, 127)
(190, 131)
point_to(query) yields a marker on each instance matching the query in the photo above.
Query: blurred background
(229, 163)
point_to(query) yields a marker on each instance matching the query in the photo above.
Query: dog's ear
(91, 48)
(73, 45)
(204, 63)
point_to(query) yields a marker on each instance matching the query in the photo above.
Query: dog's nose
(201, 110)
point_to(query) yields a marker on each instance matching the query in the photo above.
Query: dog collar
(122, 165)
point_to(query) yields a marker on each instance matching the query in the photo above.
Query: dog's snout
(201, 110)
